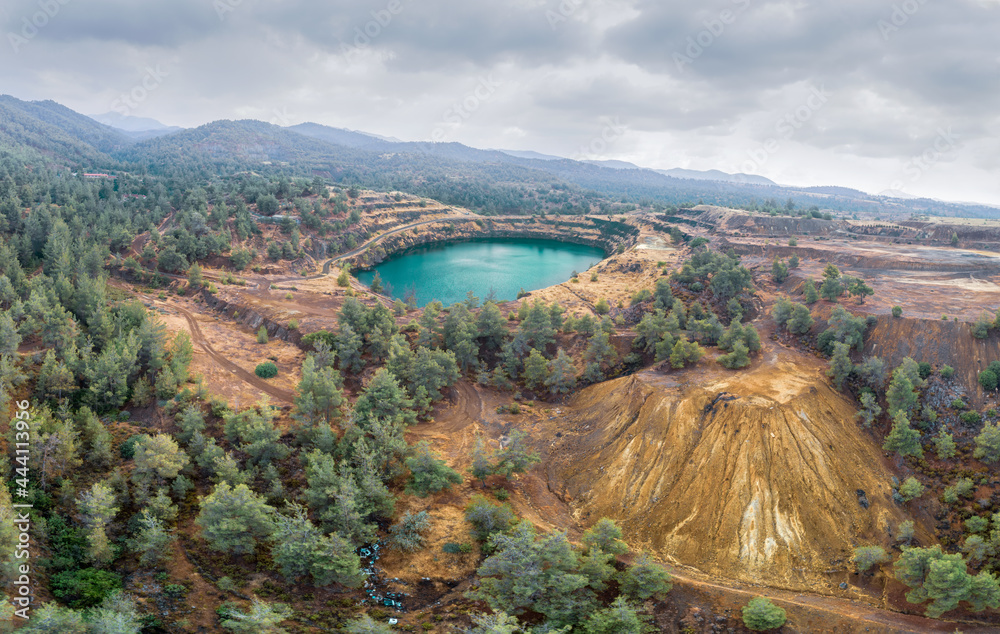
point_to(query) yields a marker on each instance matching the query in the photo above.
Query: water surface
(445, 272)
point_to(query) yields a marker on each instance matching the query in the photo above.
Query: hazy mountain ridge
(452, 172)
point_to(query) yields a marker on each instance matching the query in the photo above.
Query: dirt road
(248, 377)
(361, 249)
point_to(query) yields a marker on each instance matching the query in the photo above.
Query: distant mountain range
(138, 128)
(496, 180)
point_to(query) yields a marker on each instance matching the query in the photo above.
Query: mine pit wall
(251, 318)
(564, 231)
(861, 260)
(937, 342)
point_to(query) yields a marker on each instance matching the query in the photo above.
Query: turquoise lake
(445, 272)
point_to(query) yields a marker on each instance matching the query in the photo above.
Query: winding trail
(378, 238)
(248, 377)
(575, 293)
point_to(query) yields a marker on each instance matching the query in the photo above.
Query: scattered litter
(376, 582)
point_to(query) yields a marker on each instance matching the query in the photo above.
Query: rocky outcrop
(251, 318)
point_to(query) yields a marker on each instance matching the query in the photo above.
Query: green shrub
(261, 334)
(488, 518)
(911, 489)
(128, 447)
(947, 372)
(760, 615)
(897, 311)
(407, 534)
(453, 548)
(84, 588)
(865, 557)
(971, 418)
(976, 524)
(266, 370)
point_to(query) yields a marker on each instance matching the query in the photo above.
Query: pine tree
(562, 373)
(383, 398)
(195, 277)
(481, 466)
(263, 618)
(841, 366)
(527, 573)
(870, 409)
(429, 334)
(645, 579)
(158, 459)
(536, 370)
(190, 420)
(319, 395)
(301, 549)
(867, 556)
(911, 489)
(233, 518)
(903, 439)
(537, 326)
(779, 271)
(618, 618)
(811, 296)
(901, 396)
(10, 339)
(152, 542)
(988, 444)
(516, 457)
(738, 358)
(429, 474)
(600, 351)
(181, 355)
(98, 507)
(944, 445)
(490, 326)
(349, 345)
(760, 615)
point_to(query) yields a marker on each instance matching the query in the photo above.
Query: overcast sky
(872, 94)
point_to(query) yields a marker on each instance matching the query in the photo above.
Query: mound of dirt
(761, 476)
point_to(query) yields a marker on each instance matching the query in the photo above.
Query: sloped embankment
(936, 341)
(760, 476)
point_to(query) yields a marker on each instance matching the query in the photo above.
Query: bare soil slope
(761, 476)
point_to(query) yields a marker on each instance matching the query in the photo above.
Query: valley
(671, 412)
